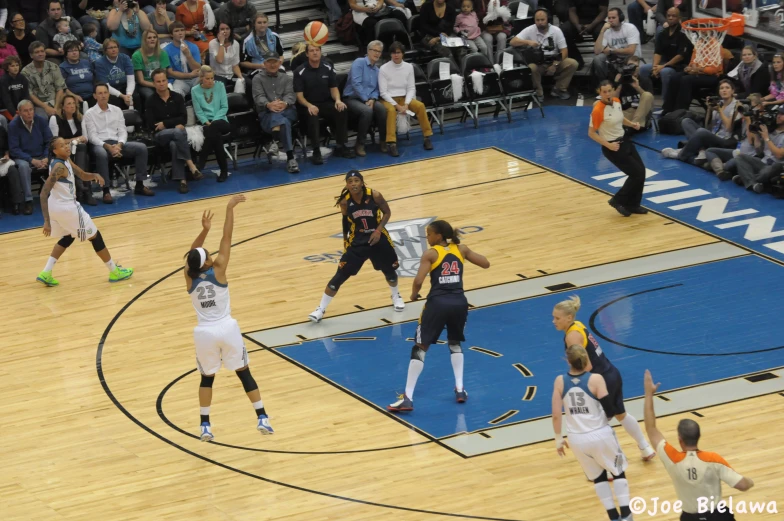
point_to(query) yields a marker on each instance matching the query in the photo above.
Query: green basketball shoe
(45, 277)
(119, 273)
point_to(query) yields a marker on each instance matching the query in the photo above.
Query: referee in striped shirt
(694, 473)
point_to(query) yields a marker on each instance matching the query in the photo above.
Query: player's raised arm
(206, 223)
(474, 257)
(228, 227)
(428, 258)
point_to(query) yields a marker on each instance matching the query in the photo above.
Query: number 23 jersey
(210, 298)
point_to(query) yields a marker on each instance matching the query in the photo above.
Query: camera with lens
(619, 65)
(712, 100)
(764, 116)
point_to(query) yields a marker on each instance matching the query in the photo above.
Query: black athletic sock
(289, 154)
(205, 418)
(260, 411)
(613, 513)
(106, 189)
(625, 511)
(276, 135)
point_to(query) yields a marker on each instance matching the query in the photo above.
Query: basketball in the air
(316, 33)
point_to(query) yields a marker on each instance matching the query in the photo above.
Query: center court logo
(409, 239)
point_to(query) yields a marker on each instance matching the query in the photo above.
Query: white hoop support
(707, 35)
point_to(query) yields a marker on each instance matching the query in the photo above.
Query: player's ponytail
(445, 230)
(194, 262)
(570, 306)
(577, 357)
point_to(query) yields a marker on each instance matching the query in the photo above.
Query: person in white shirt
(107, 135)
(617, 38)
(397, 89)
(551, 40)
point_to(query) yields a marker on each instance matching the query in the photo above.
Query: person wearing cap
(755, 173)
(273, 95)
(696, 474)
(211, 107)
(363, 99)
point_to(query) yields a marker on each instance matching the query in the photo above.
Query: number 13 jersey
(446, 273)
(584, 413)
(210, 298)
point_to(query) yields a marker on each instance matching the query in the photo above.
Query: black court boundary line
(500, 284)
(650, 209)
(260, 188)
(167, 421)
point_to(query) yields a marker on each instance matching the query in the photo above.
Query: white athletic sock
(325, 300)
(204, 411)
(258, 405)
(633, 428)
(621, 487)
(394, 291)
(604, 492)
(414, 370)
(457, 367)
(50, 264)
(110, 264)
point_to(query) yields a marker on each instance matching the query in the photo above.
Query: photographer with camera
(550, 40)
(636, 101)
(617, 41)
(721, 116)
(127, 23)
(756, 173)
(721, 161)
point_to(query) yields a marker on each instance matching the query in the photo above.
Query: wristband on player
(559, 441)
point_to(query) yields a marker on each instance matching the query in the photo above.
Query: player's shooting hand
(374, 238)
(206, 219)
(47, 229)
(235, 200)
(650, 387)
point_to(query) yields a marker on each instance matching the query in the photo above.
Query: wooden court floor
(71, 452)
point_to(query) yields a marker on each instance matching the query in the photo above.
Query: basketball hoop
(707, 34)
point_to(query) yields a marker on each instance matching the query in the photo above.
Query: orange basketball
(316, 33)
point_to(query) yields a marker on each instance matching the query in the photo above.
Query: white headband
(202, 256)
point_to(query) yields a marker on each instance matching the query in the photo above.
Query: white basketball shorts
(71, 219)
(597, 451)
(219, 342)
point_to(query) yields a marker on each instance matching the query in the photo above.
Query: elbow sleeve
(607, 406)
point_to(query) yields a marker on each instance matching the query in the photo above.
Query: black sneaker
(638, 210)
(316, 158)
(344, 151)
(619, 208)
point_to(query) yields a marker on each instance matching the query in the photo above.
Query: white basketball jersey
(584, 413)
(210, 298)
(64, 190)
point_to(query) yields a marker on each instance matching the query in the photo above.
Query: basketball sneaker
(402, 404)
(398, 302)
(317, 315)
(264, 426)
(206, 432)
(461, 396)
(648, 453)
(45, 277)
(119, 273)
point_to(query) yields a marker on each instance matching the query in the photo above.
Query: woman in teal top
(127, 22)
(211, 107)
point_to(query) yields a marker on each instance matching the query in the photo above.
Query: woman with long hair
(20, 38)
(751, 75)
(199, 21)
(775, 94)
(225, 55)
(67, 124)
(126, 22)
(211, 107)
(259, 42)
(149, 57)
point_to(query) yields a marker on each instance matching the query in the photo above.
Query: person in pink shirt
(467, 26)
(6, 50)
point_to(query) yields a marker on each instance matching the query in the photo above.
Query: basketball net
(707, 35)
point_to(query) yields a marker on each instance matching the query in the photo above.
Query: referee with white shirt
(606, 128)
(695, 473)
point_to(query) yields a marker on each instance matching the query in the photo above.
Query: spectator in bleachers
(636, 97)
(63, 36)
(115, 69)
(33, 11)
(6, 50)
(775, 91)
(211, 107)
(14, 86)
(238, 14)
(46, 83)
(318, 96)
(20, 38)
(225, 56)
(28, 141)
(127, 23)
(9, 170)
(556, 63)
(493, 31)
(184, 60)
(580, 18)
(696, 76)
(721, 161)
(671, 51)
(299, 55)
(258, 43)
(274, 98)
(367, 13)
(93, 49)
(78, 75)
(160, 19)
(757, 174)
(617, 41)
(199, 21)
(437, 19)
(467, 26)
(104, 125)
(148, 58)
(396, 85)
(67, 124)
(166, 115)
(334, 12)
(720, 117)
(638, 12)
(363, 99)
(47, 31)
(751, 75)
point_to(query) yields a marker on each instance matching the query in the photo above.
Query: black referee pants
(629, 162)
(337, 121)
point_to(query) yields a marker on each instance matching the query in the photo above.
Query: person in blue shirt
(116, 70)
(78, 74)
(362, 97)
(184, 60)
(28, 142)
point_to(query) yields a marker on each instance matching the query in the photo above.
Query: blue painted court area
(710, 318)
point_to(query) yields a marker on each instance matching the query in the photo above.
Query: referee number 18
(692, 473)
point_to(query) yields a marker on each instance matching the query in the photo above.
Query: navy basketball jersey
(599, 362)
(363, 218)
(446, 273)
